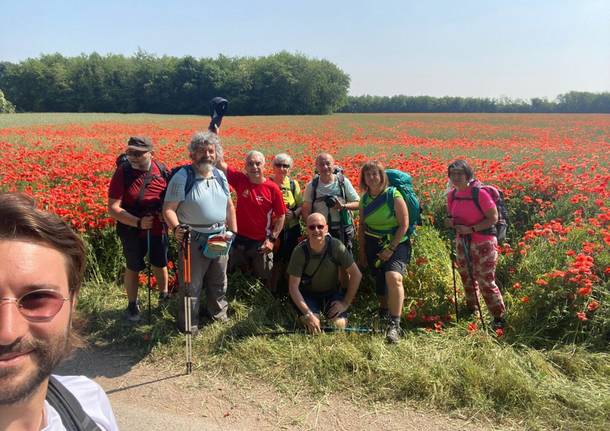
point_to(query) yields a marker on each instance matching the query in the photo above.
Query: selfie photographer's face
(30, 350)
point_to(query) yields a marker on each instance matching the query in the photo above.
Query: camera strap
(308, 255)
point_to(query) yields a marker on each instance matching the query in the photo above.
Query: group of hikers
(260, 233)
(43, 259)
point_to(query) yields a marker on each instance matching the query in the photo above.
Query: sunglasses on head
(38, 305)
(313, 227)
(135, 153)
(282, 165)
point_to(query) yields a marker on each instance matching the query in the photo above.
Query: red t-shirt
(464, 211)
(151, 201)
(256, 204)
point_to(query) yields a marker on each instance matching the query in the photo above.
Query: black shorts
(135, 248)
(396, 263)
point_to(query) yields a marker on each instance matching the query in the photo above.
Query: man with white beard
(198, 199)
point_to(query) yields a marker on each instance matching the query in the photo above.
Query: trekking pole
(149, 271)
(186, 255)
(453, 258)
(470, 273)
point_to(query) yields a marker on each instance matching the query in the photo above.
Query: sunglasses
(313, 227)
(39, 305)
(135, 154)
(282, 165)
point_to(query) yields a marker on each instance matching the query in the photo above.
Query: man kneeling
(314, 276)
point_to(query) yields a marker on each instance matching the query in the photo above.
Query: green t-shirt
(326, 278)
(383, 219)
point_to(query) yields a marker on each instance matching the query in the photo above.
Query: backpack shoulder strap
(222, 183)
(341, 180)
(73, 417)
(475, 198)
(190, 179)
(293, 188)
(314, 187)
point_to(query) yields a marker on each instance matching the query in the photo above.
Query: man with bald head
(314, 276)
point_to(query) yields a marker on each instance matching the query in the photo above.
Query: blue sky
(518, 49)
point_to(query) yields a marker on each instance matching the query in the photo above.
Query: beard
(204, 167)
(21, 382)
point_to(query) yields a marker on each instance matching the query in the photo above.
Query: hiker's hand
(267, 247)
(385, 254)
(339, 206)
(463, 229)
(179, 233)
(313, 324)
(336, 308)
(146, 222)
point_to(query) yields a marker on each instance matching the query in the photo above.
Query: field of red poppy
(554, 268)
(554, 170)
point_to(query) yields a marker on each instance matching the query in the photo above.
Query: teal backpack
(402, 182)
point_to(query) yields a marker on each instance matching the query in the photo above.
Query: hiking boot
(132, 314)
(498, 323)
(392, 334)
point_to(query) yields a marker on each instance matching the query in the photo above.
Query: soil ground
(146, 397)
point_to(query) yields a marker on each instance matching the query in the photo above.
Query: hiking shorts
(135, 248)
(319, 303)
(396, 263)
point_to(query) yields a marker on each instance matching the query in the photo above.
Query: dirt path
(148, 398)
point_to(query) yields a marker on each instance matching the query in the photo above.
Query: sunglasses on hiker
(313, 227)
(282, 165)
(135, 154)
(38, 305)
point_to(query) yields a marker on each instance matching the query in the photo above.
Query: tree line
(282, 83)
(572, 102)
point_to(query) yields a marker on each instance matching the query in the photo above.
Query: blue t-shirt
(205, 204)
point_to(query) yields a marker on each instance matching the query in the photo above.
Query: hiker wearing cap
(42, 262)
(135, 196)
(476, 251)
(198, 199)
(384, 246)
(260, 216)
(313, 273)
(331, 194)
(289, 236)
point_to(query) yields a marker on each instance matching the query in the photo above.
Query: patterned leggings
(483, 257)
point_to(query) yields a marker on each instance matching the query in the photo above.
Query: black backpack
(191, 178)
(316, 180)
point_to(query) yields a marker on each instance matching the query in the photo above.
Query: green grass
(566, 388)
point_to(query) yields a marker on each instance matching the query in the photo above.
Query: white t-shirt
(92, 398)
(330, 189)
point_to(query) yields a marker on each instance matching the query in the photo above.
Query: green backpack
(402, 182)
